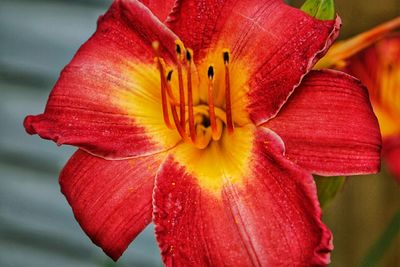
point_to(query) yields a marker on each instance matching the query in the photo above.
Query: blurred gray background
(37, 228)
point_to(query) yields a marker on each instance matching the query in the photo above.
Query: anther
(188, 55)
(178, 49)
(169, 75)
(210, 72)
(226, 56)
(211, 105)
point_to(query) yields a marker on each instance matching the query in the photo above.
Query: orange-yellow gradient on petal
(224, 162)
(142, 102)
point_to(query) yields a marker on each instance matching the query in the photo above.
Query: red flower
(218, 150)
(374, 58)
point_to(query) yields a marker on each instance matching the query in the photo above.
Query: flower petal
(328, 126)
(160, 8)
(391, 155)
(378, 67)
(341, 51)
(278, 43)
(266, 216)
(111, 200)
(107, 100)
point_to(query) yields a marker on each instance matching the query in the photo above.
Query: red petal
(160, 8)
(270, 218)
(111, 200)
(278, 43)
(391, 155)
(328, 126)
(86, 107)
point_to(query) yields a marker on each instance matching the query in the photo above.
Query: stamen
(205, 122)
(171, 96)
(181, 130)
(228, 104)
(211, 106)
(181, 88)
(163, 93)
(161, 68)
(192, 129)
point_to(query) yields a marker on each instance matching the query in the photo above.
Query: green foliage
(320, 9)
(378, 249)
(328, 187)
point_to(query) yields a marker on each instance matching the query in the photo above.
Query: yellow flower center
(187, 110)
(206, 118)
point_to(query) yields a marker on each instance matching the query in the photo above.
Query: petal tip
(29, 124)
(114, 255)
(322, 254)
(114, 215)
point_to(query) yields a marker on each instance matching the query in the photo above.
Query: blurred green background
(37, 228)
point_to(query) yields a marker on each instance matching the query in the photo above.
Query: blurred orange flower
(374, 58)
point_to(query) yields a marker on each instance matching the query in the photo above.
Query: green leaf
(327, 188)
(320, 9)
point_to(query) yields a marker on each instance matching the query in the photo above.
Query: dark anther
(188, 55)
(211, 72)
(178, 49)
(226, 57)
(169, 75)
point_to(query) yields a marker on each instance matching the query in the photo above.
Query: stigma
(198, 122)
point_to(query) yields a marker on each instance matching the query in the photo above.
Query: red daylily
(374, 58)
(216, 138)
